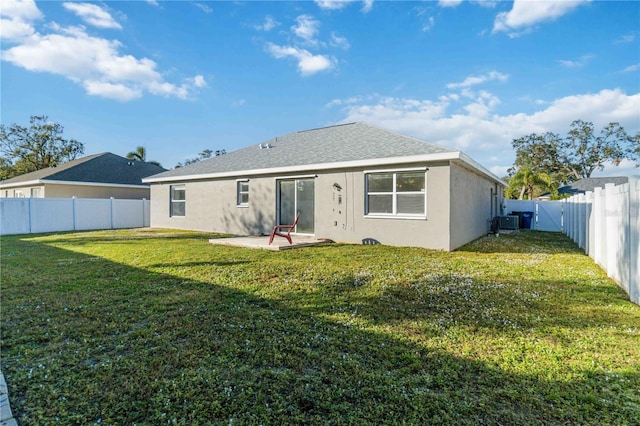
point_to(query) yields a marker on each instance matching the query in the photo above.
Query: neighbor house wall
(471, 205)
(48, 190)
(88, 191)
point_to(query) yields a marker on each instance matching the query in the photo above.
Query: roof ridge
(326, 127)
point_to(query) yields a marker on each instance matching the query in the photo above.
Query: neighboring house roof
(98, 169)
(345, 145)
(586, 184)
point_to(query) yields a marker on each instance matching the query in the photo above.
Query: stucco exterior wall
(471, 205)
(80, 191)
(347, 222)
(211, 206)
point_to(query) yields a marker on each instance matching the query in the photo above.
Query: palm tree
(140, 154)
(526, 179)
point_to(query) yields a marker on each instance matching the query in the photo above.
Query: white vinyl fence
(35, 215)
(547, 215)
(606, 224)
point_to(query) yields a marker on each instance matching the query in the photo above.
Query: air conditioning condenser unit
(509, 222)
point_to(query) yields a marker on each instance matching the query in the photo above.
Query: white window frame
(240, 192)
(172, 201)
(394, 193)
(36, 192)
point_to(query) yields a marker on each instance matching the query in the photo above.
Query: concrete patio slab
(262, 242)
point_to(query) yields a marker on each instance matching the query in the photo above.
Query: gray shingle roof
(335, 144)
(98, 168)
(588, 184)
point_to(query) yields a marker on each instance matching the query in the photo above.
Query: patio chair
(284, 231)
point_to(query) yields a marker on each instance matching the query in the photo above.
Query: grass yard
(160, 327)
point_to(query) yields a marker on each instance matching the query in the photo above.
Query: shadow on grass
(123, 345)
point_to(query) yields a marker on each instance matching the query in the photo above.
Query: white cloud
(338, 41)
(94, 63)
(449, 3)
(472, 125)
(16, 19)
(475, 80)
(367, 5)
(627, 38)
(525, 14)
(582, 61)
(92, 14)
(268, 25)
(24, 10)
(332, 4)
(308, 63)
(238, 103)
(153, 2)
(631, 68)
(307, 28)
(205, 8)
(198, 81)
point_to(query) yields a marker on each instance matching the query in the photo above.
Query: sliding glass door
(297, 196)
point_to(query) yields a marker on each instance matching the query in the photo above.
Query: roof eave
(442, 156)
(69, 182)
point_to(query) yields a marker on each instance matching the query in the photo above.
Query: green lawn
(160, 327)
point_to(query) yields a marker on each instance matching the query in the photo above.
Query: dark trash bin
(527, 218)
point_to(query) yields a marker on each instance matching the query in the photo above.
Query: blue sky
(179, 77)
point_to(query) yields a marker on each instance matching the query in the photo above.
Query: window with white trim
(178, 200)
(36, 193)
(243, 193)
(396, 194)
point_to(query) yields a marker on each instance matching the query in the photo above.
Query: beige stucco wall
(211, 206)
(471, 199)
(348, 223)
(80, 191)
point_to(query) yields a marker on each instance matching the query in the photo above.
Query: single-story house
(349, 183)
(103, 175)
(586, 184)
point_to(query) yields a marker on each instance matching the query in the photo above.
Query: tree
(140, 154)
(207, 153)
(526, 181)
(578, 154)
(41, 145)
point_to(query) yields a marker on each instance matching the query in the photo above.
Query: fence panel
(37, 215)
(92, 213)
(549, 216)
(51, 215)
(128, 214)
(14, 216)
(608, 225)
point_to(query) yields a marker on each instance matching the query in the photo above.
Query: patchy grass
(160, 327)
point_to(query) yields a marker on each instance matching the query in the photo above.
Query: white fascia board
(68, 182)
(474, 164)
(19, 184)
(442, 156)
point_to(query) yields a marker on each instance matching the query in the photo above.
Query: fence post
(144, 200)
(111, 212)
(29, 211)
(634, 239)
